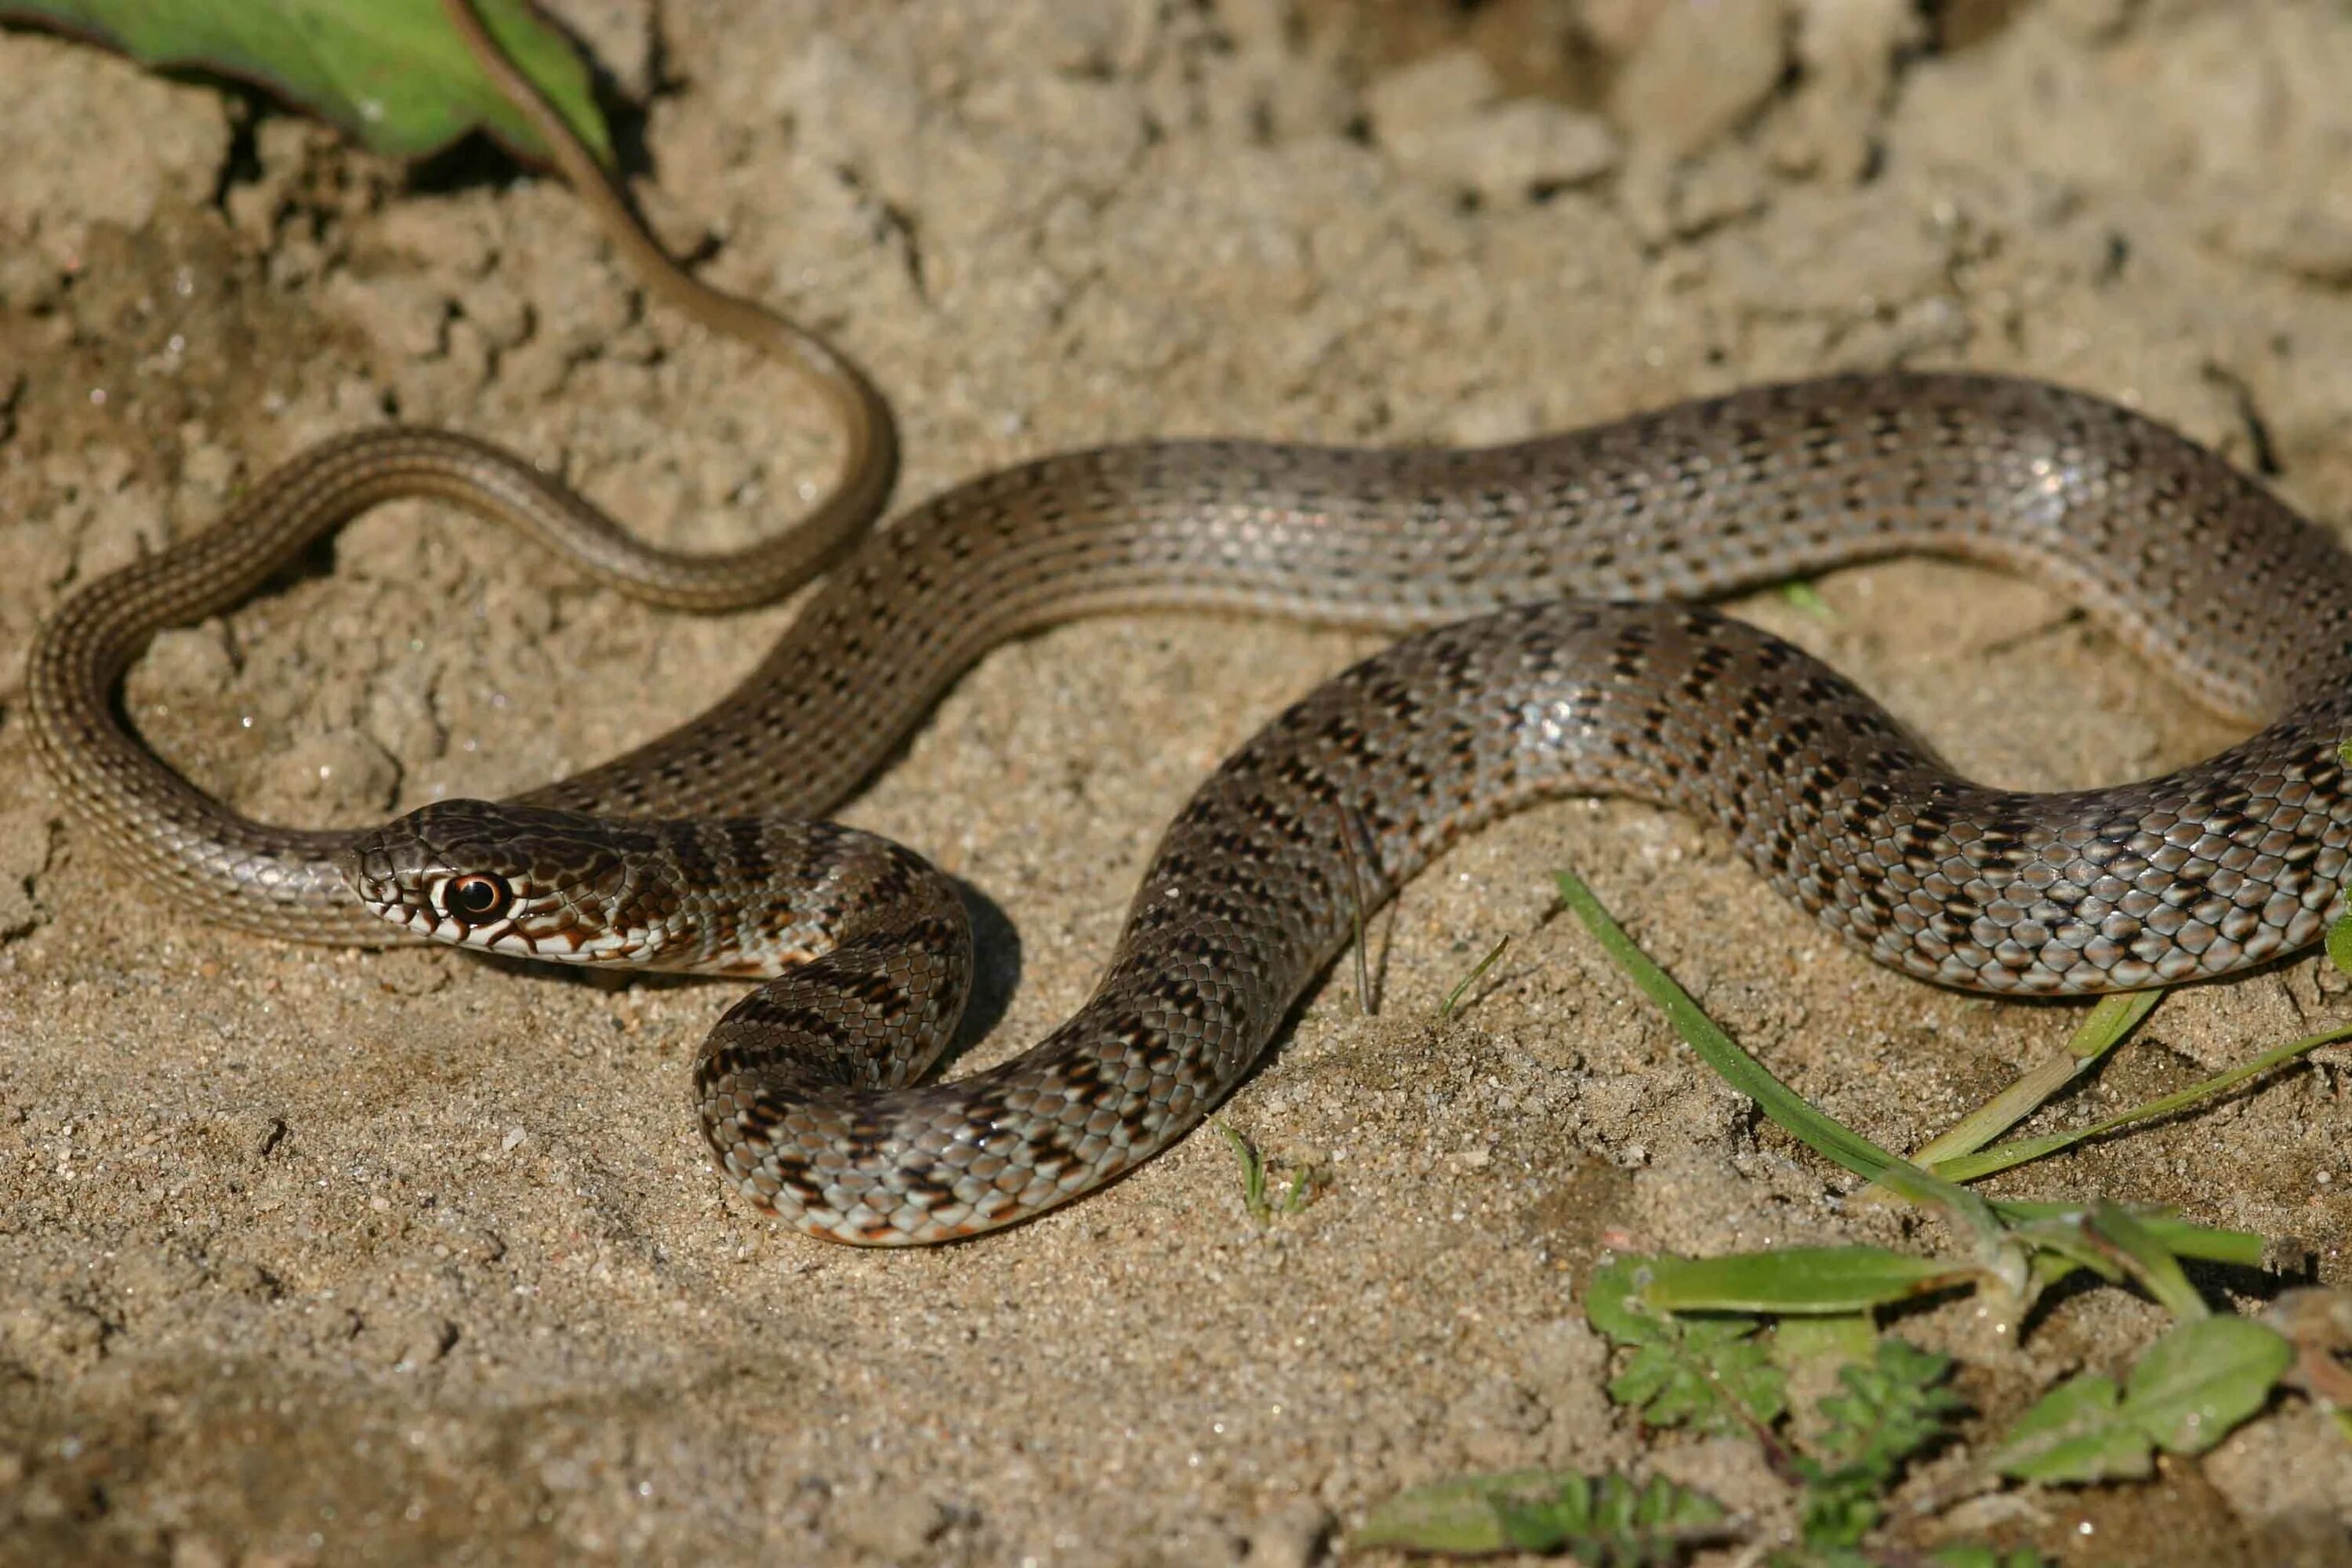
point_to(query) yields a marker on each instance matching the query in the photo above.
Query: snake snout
(367, 869)
(373, 872)
(396, 868)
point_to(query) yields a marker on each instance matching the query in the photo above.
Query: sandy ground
(338, 1256)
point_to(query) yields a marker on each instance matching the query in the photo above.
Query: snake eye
(476, 898)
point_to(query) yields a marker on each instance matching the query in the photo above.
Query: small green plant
(2188, 1391)
(1885, 1415)
(1715, 1375)
(2184, 1394)
(1605, 1520)
(1721, 1374)
(1477, 972)
(1255, 1196)
(1801, 593)
(1704, 1342)
(1888, 1409)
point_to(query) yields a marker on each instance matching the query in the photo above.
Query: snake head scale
(520, 880)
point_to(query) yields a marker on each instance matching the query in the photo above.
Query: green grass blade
(1801, 592)
(2149, 1262)
(1826, 1137)
(2240, 1248)
(2103, 1029)
(2003, 1156)
(1453, 998)
(1253, 1168)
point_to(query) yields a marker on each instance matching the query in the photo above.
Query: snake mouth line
(507, 937)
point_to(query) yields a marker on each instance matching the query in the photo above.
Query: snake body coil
(1559, 684)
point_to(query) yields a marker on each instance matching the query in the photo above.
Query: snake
(1548, 596)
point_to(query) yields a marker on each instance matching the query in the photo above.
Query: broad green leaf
(1612, 1300)
(2076, 1432)
(2198, 1381)
(1798, 1279)
(2190, 1389)
(391, 72)
(1974, 1556)
(1834, 1337)
(1605, 1520)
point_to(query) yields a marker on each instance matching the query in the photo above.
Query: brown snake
(806, 1087)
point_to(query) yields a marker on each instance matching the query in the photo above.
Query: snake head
(519, 880)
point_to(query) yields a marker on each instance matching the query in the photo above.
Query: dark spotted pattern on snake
(1559, 684)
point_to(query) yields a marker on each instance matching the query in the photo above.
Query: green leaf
(1970, 1555)
(1613, 1300)
(1605, 1520)
(1798, 1279)
(2063, 1245)
(1838, 1509)
(1253, 1166)
(1453, 998)
(2189, 1389)
(1714, 1374)
(391, 72)
(2076, 1432)
(1801, 592)
(2339, 944)
(1703, 1378)
(1887, 1412)
(2149, 1262)
(2240, 1248)
(1890, 1409)
(1832, 1338)
(2198, 1381)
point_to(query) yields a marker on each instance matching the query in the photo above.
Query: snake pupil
(476, 898)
